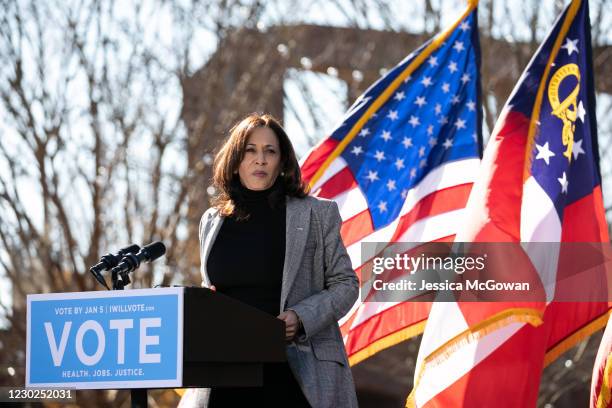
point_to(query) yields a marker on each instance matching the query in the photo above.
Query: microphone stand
(138, 396)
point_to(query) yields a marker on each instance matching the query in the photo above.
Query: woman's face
(261, 163)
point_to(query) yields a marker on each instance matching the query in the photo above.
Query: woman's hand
(292, 323)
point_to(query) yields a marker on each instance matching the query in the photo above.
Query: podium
(148, 338)
(226, 342)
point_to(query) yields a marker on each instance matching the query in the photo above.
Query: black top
(246, 260)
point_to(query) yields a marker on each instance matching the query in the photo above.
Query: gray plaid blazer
(320, 285)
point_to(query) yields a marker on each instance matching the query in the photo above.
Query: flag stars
(460, 124)
(544, 153)
(379, 156)
(564, 183)
(382, 206)
(364, 132)
(581, 112)
(408, 78)
(357, 150)
(577, 148)
(399, 164)
(570, 45)
(458, 46)
(372, 176)
(420, 101)
(426, 133)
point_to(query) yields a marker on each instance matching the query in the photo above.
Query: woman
(291, 264)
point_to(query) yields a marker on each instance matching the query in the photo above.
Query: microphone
(109, 261)
(132, 261)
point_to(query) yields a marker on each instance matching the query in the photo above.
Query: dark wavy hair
(227, 161)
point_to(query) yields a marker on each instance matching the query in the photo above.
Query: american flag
(401, 165)
(539, 182)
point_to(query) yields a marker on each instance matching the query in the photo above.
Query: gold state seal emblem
(566, 110)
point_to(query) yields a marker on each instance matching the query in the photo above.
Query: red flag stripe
(577, 228)
(337, 184)
(386, 323)
(315, 158)
(448, 199)
(356, 228)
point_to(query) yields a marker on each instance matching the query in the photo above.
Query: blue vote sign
(99, 340)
